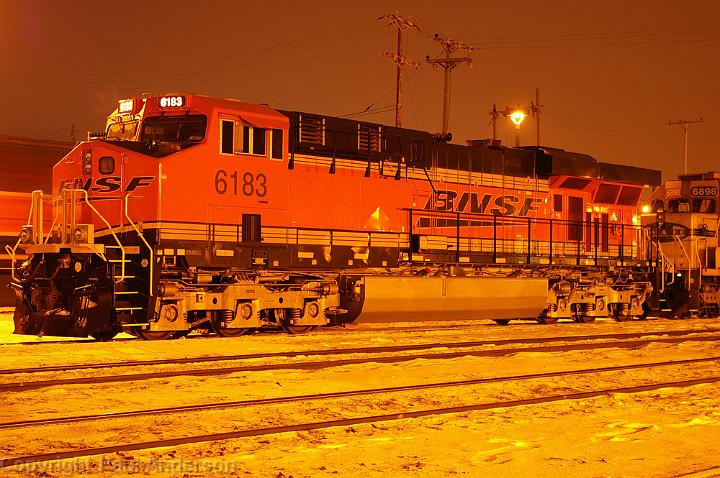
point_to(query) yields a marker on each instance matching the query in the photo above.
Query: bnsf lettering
(504, 205)
(107, 184)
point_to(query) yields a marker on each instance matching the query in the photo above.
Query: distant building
(25, 165)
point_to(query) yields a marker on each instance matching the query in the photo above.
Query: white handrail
(102, 218)
(142, 238)
(11, 251)
(664, 268)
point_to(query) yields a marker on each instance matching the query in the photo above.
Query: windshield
(163, 129)
(122, 131)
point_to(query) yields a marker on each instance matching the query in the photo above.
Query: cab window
(706, 205)
(678, 205)
(241, 138)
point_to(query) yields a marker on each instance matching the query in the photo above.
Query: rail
(142, 238)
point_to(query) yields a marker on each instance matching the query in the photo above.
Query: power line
(130, 84)
(210, 60)
(601, 35)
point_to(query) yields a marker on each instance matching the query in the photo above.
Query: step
(128, 308)
(119, 260)
(126, 292)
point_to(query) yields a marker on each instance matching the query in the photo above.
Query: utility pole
(536, 109)
(400, 61)
(685, 126)
(495, 115)
(448, 63)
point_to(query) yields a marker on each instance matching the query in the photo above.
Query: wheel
(284, 321)
(584, 319)
(220, 331)
(578, 316)
(155, 334)
(296, 329)
(228, 332)
(544, 319)
(615, 313)
(501, 321)
(104, 335)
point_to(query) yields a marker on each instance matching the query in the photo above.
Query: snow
(660, 433)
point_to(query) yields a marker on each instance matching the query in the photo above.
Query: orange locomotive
(190, 212)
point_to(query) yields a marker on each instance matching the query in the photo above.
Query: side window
(238, 138)
(557, 203)
(277, 144)
(245, 139)
(227, 134)
(258, 143)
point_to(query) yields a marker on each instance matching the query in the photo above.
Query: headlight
(26, 234)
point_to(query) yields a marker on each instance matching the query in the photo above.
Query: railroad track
(256, 432)
(318, 332)
(352, 393)
(676, 337)
(365, 350)
(270, 332)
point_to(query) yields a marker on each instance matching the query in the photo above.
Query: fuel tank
(403, 299)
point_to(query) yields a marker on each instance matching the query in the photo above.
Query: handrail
(102, 218)
(142, 238)
(11, 251)
(687, 256)
(700, 264)
(665, 260)
(52, 226)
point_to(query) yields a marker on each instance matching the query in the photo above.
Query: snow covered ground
(661, 433)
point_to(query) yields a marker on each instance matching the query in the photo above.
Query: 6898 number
(247, 183)
(702, 191)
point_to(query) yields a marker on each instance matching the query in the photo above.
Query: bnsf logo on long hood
(106, 184)
(497, 204)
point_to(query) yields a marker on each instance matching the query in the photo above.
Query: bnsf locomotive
(190, 212)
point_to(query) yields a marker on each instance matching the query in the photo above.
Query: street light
(517, 116)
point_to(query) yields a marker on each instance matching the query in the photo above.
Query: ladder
(126, 295)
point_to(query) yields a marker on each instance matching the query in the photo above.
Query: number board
(704, 190)
(171, 101)
(672, 193)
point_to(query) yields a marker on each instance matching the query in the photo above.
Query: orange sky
(611, 73)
